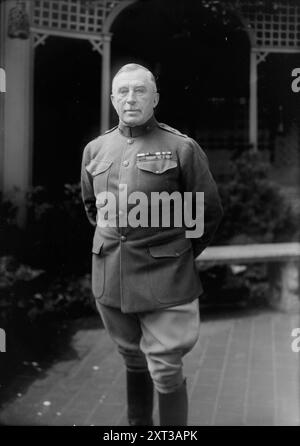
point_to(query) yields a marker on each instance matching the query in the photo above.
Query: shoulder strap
(110, 130)
(167, 128)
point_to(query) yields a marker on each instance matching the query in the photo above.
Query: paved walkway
(241, 372)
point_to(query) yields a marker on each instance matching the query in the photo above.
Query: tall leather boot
(173, 407)
(139, 398)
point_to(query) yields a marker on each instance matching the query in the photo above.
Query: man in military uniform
(143, 277)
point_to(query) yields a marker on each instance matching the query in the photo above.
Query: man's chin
(132, 122)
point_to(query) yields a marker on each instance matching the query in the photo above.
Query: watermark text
(162, 210)
(2, 81)
(296, 82)
(296, 342)
(2, 341)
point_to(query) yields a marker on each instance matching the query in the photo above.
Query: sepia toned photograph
(149, 215)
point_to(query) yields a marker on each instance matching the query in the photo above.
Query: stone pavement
(241, 372)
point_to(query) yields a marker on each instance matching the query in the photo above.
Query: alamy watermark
(2, 341)
(295, 345)
(296, 82)
(2, 81)
(164, 210)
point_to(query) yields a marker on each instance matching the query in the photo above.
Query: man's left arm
(196, 177)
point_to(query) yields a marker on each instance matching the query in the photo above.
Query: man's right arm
(198, 178)
(87, 189)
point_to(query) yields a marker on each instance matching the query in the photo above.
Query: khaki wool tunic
(145, 268)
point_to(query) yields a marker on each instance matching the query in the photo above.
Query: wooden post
(106, 83)
(253, 115)
(2, 91)
(17, 156)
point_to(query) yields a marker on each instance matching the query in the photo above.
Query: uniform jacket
(146, 268)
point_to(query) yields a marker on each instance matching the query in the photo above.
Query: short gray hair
(134, 67)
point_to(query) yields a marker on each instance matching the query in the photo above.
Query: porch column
(17, 156)
(253, 100)
(2, 90)
(106, 82)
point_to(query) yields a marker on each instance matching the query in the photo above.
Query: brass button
(130, 141)
(126, 163)
(123, 238)
(157, 171)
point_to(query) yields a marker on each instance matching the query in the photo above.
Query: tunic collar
(138, 130)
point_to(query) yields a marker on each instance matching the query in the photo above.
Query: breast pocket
(100, 172)
(156, 175)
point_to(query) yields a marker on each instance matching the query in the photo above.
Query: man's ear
(155, 100)
(113, 101)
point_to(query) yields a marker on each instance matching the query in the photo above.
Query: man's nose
(131, 98)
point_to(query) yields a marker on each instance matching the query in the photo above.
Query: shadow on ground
(32, 350)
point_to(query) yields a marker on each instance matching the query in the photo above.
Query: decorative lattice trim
(73, 16)
(279, 29)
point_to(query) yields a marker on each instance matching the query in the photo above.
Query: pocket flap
(96, 167)
(97, 243)
(173, 248)
(157, 166)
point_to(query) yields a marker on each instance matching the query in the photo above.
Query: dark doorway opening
(200, 59)
(66, 109)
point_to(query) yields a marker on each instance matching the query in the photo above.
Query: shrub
(255, 211)
(33, 308)
(10, 234)
(58, 235)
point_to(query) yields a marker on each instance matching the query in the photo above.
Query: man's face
(134, 97)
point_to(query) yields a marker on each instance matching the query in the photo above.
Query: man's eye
(140, 90)
(123, 91)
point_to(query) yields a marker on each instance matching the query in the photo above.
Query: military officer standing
(143, 276)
